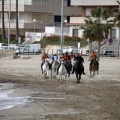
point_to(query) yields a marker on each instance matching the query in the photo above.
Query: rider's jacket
(92, 55)
(54, 57)
(72, 56)
(66, 57)
(44, 57)
(79, 58)
(61, 57)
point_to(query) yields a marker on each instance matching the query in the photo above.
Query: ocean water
(6, 101)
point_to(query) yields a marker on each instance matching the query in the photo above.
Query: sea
(7, 100)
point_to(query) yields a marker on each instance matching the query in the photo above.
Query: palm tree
(87, 34)
(3, 22)
(96, 26)
(17, 28)
(100, 15)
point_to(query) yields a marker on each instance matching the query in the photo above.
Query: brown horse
(94, 66)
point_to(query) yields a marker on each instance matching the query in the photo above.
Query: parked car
(13, 46)
(70, 49)
(3, 46)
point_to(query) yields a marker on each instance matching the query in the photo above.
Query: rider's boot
(57, 70)
(83, 71)
(72, 71)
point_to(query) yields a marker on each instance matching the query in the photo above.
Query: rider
(92, 56)
(45, 56)
(66, 57)
(54, 57)
(81, 60)
(62, 57)
(72, 55)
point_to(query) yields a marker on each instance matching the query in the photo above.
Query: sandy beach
(95, 98)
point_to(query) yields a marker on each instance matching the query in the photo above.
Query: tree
(17, 28)
(87, 34)
(3, 22)
(96, 26)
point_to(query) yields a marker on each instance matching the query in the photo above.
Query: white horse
(54, 67)
(73, 62)
(62, 71)
(45, 68)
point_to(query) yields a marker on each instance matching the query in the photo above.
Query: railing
(26, 2)
(110, 53)
(20, 21)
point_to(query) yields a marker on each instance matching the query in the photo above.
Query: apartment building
(34, 15)
(86, 6)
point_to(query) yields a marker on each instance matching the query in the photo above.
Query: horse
(94, 67)
(78, 70)
(62, 71)
(68, 66)
(54, 67)
(45, 68)
(72, 62)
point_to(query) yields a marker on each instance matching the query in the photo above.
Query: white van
(31, 49)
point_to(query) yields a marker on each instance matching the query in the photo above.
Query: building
(86, 6)
(34, 15)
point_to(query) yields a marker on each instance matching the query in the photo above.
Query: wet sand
(95, 98)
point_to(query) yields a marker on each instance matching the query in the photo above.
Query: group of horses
(65, 68)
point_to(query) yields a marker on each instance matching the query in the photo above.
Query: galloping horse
(68, 66)
(45, 68)
(73, 63)
(62, 71)
(54, 67)
(94, 66)
(78, 70)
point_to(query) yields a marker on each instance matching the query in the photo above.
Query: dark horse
(68, 66)
(94, 66)
(78, 70)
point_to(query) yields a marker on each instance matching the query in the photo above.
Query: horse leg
(58, 77)
(65, 77)
(47, 73)
(77, 77)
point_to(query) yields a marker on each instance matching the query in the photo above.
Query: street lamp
(61, 41)
(34, 20)
(119, 32)
(65, 21)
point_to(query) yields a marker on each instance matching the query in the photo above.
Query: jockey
(92, 56)
(81, 60)
(45, 56)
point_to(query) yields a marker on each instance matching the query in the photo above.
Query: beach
(95, 98)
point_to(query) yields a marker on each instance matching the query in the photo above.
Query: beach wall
(5, 53)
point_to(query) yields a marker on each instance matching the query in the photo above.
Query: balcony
(94, 3)
(80, 20)
(22, 24)
(26, 2)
